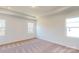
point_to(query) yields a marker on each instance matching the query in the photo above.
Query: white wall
(16, 29)
(52, 28)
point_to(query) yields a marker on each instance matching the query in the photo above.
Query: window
(72, 26)
(2, 27)
(30, 27)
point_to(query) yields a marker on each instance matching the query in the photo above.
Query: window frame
(2, 28)
(70, 27)
(30, 29)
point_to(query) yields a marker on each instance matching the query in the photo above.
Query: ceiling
(39, 11)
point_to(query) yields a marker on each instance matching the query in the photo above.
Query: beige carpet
(35, 46)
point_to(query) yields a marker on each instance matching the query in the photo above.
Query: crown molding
(56, 11)
(16, 13)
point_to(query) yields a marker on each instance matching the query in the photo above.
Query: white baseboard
(10, 42)
(73, 47)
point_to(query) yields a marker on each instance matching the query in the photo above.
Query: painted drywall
(16, 29)
(53, 28)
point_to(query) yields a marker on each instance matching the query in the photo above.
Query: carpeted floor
(35, 46)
